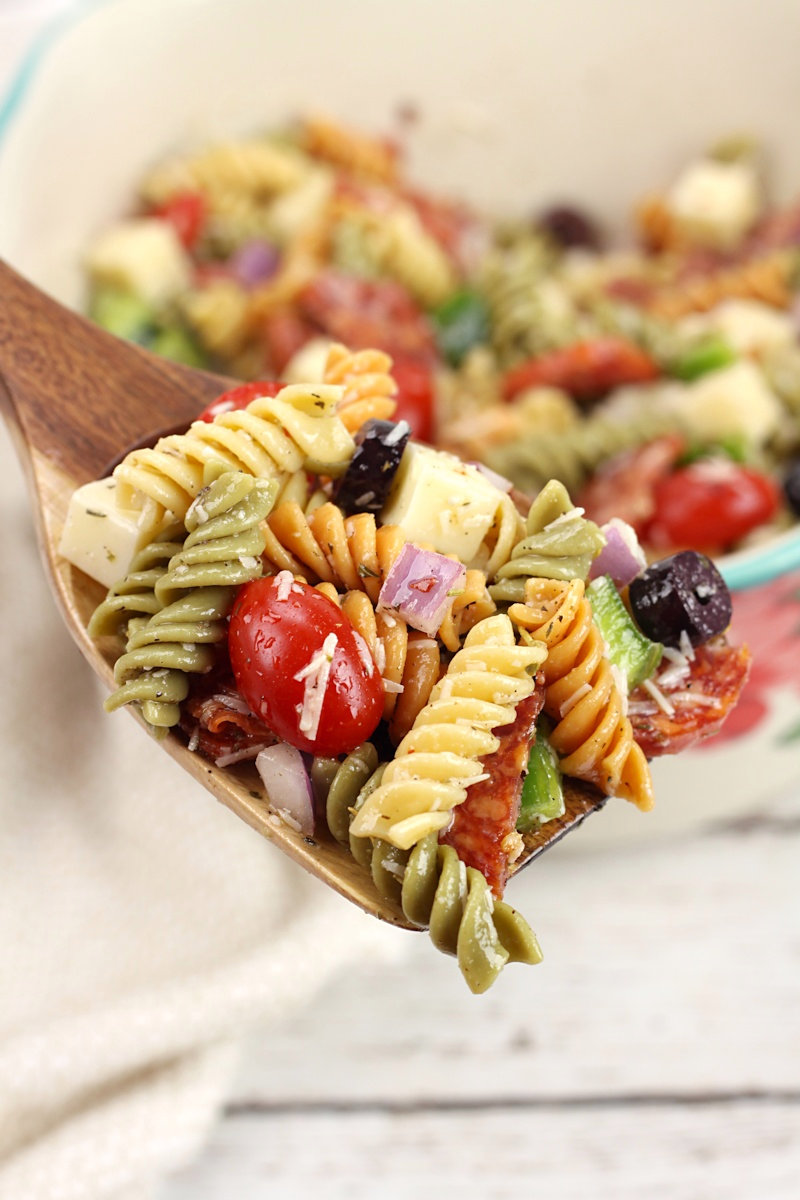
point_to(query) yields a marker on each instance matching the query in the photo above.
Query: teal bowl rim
(741, 570)
(49, 34)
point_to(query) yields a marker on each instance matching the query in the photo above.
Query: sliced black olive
(367, 481)
(682, 592)
(570, 228)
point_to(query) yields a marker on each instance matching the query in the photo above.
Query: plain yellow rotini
(403, 249)
(369, 388)
(592, 734)
(256, 167)
(272, 438)
(439, 758)
(220, 315)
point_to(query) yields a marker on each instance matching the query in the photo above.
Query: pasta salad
(658, 380)
(412, 654)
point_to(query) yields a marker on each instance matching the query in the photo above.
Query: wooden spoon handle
(74, 394)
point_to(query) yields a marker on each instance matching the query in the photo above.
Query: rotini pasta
(220, 315)
(354, 553)
(357, 153)
(433, 887)
(135, 595)
(194, 594)
(408, 661)
(592, 733)
(764, 279)
(530, 313)
(571, 456)
(368, 385)
(559, 543)
(272, 438)
(438, 759)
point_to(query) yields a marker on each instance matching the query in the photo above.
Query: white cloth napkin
(143, 928)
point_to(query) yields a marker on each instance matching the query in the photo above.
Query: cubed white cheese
(308, 364)
(735, 401)
(715, 203)
(439, 501)
(99, 537)
(300, 208)
(143, 255)
(749, 326)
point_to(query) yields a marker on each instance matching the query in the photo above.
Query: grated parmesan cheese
(696, 698)
(399, 431)
(367, 660)
(572, 514)
(659, 697)
(621, 680)
(235, 756)
(284, 581)
(315, 675)
(572, 700)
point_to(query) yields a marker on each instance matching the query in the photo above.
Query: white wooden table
(654, 1053)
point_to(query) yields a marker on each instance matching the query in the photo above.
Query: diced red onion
(255, 262)
(284, 775)
(622, 557)
(418, 587)
(499, 481)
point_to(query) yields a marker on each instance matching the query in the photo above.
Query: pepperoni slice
(483, 823)
(718, 673)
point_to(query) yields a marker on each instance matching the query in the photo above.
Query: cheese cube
(101, 538)
(749, 326)
(735, 401)
(143, 256)
(439, 501)
(309, 363)
(715, 203)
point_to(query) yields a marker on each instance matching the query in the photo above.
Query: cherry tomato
(587, 370)
(414, 397)
(239, 397)
(186, 212)
(711, 505)
(288, 646)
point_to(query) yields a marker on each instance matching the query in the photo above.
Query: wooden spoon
(76, 397)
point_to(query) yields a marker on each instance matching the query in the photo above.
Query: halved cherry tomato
(587, 370)
(302, 667)
(186, 212)
(239, 397)
(711, 505)
(414, 397)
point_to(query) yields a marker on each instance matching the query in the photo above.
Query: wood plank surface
(654, 1053)
(742, 1151)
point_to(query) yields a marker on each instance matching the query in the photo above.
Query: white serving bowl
(518, 103)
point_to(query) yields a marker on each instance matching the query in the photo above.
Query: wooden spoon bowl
(75, 398)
